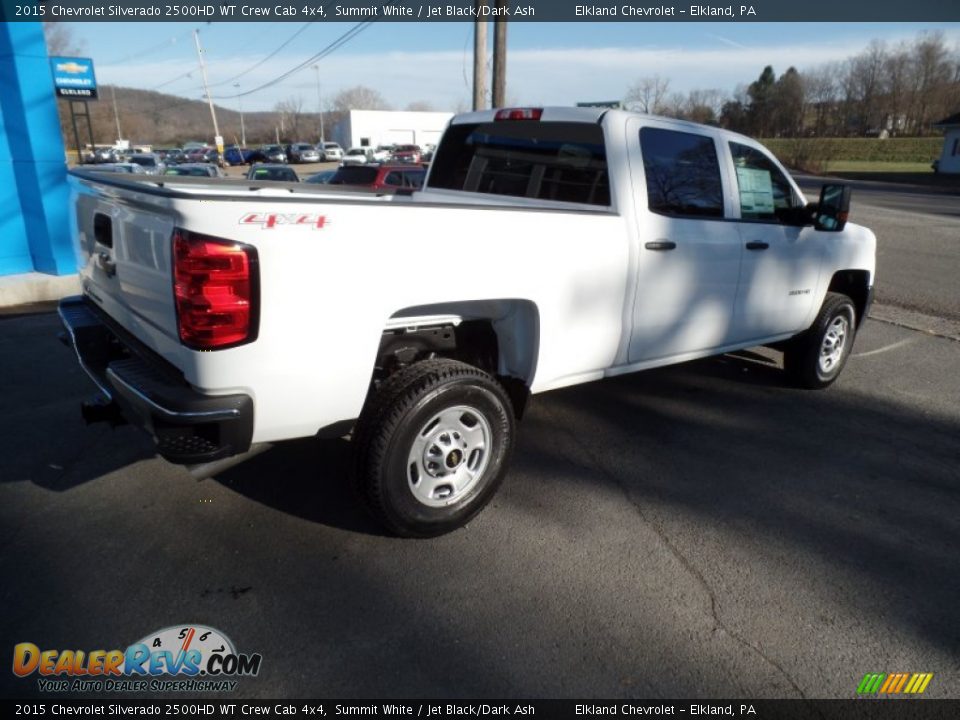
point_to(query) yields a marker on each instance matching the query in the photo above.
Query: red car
(407, 154)
(376, 176)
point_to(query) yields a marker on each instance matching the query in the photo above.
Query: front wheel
(433, 446)
(815, 358)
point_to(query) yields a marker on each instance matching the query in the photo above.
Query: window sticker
(756, 191)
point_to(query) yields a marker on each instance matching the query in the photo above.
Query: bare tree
(647, 94)
(821, 89)
(704, 106)
(864, 87)
(291, 114)
(420, 106)
(359, 98)
(932, 71)
(60, 40)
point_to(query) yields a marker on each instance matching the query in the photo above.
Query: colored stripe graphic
(894, 683)
(870, 683)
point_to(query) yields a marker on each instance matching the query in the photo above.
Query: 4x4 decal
(267, 221)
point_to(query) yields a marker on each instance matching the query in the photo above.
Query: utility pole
(243, 130)
(116, 115)
(500, 56)
(480, 59)
(203, 69)
(320, 104)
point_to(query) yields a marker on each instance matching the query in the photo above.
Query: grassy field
(874, 150)
(862, 166)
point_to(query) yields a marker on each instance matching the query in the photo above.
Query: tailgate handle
(107, 264)
(103, 230)
(660, 245)
(757, 245)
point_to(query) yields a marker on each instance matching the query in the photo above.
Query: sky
(548, 63)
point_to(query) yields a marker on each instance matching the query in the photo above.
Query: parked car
(175, 157)
(375, 175)
(165, 153)
(407, 154)
(105, 155)
(195, 170)
(274, 153)
(236, 155)
(150, 162)
(330, 152)
(382, 153)
(321, 178)
(357, 156)
(196, 155)
(120, 167)
(278, 172)
(302, 153)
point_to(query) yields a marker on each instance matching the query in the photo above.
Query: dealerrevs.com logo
(185, 658)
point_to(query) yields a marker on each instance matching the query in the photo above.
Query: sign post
(74, 79)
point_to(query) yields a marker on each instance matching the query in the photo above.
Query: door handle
(106, 264)
(757, 245)
(660, 245)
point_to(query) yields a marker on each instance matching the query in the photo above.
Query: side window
(683, 174)
(394, 178)
(765, 193)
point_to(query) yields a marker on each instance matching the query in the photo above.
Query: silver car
(150, 162)
(330, 151)
(303, 153)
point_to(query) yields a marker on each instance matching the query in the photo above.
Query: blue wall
(34, 227)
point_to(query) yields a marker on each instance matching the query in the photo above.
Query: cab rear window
(563, 161)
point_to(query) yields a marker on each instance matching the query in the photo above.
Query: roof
(948, 122)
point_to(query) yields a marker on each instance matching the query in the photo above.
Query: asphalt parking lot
(697, 531)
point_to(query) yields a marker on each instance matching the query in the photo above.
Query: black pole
(76, 133)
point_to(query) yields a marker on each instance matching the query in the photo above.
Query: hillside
(149, 117)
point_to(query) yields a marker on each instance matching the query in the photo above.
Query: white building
(950, 157)
(362, 128)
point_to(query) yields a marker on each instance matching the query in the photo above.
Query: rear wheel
(432, 447)
(815, 358)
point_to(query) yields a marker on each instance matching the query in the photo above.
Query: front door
(781, 265)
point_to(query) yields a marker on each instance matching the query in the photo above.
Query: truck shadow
(862, 487)
(306, 478)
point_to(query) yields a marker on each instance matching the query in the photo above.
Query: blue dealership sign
(73, 77)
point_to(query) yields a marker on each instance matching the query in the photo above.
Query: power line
(173, 80)
(336, 44)
(258, 64)
(160, 46)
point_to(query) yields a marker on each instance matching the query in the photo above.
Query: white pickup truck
(549, 246)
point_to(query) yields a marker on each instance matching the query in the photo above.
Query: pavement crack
(686, 563)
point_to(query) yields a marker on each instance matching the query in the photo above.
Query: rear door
(689, 252)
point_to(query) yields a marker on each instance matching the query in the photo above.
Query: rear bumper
(188, 427)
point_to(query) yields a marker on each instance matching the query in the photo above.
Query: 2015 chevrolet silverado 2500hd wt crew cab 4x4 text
(548, 247)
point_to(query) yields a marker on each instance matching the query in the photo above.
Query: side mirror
(833, 209)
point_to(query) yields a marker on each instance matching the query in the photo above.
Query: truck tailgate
(124, 239)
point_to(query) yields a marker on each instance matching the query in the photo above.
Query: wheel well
(500, 337)
(855, 284)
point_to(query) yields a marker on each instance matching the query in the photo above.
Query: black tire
(434, 421)
(813, 361)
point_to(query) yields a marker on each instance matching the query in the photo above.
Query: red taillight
(215, 290)
(518, 114)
